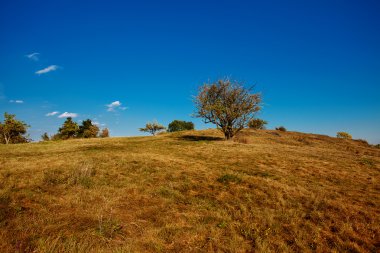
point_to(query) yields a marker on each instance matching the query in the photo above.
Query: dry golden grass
(266, 191)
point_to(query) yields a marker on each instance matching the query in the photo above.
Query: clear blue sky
(317, 63)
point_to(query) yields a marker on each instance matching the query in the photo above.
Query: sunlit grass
(266, 191)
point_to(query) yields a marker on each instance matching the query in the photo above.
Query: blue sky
(316, 63)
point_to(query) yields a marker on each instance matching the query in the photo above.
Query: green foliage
(104, 133)
(257, 124)
(367, 161)
(88, 130)
(227, 178)
(281, 128)
(69, 129)
(45, 137)
(152, 128)
(377, 146)
(227, 104)
(222, 224)
(13, 130)
(179, 125)
(343, 135)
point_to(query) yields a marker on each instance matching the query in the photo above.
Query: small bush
(281, 128)
(343, 135)
(179, 125)
(257, 124)
(227, 178)
(367, 161)
(377, 146)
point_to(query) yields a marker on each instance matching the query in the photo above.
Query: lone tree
(68, 130)
(227, 104)
(179, 125)
(13, 130)
(152, 128)
(88, 130)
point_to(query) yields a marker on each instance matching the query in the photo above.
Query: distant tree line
(71, 130)
(225, 103)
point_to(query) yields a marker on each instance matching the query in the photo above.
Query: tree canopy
(227, 104)
(88, 130)
(69, 129)
(13, 130)
(179, 125)
(152, 128)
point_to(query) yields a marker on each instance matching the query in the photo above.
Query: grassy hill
(266, 191)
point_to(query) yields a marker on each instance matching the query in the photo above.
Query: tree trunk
(228, 134)
(7, 139)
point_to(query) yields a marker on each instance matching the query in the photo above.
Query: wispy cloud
(113, 106)
(16, 101)
(68, 114)
(52, 113)
(33, 56)
(47, 69)
(98, 124)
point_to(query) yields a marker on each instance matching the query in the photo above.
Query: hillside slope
(267, 191)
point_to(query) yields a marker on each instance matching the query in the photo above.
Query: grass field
(266, 191)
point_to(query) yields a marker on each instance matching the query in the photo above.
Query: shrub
(179, 125)
(367, 161)
(227, 178)
(281, 128)
(377, 146)
(343, 135)
(257, 124)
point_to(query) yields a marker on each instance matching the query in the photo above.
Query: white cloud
(47, 69)
(123, 108)
(113, 106)
(98, 123)
(16, 101)
(52, 113)
(33, 56)
(68, 114)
